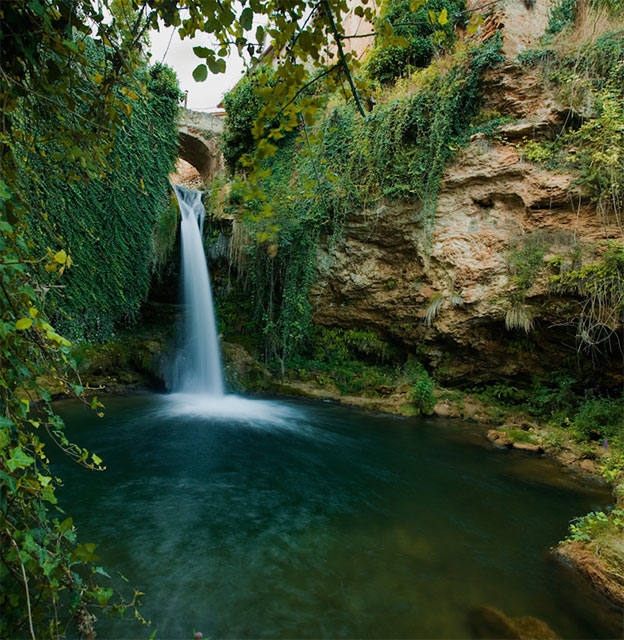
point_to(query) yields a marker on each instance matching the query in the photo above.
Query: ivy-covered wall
(111, 226)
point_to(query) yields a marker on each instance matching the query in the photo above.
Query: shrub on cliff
(242, 105)
(408, 39)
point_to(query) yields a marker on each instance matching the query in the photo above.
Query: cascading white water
(197, 375)
(198, 366)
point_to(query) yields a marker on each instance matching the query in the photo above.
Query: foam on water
(232, 407)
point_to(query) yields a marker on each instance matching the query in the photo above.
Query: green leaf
(202, 52)
(61, 257)
(19, 459)
(47, 493)
(9, 480)
(5, 437)
(84, 553)
(103, 595)
(5, 192)
(246, 19)
(23, 323)
(101, 571)
(66, 525)
(216, 66)
(5, 422)
(200, 73)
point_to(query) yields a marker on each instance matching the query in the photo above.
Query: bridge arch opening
(202, 154)
(186, 175)
(199, 137)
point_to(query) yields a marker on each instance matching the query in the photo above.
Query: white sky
(202, 96)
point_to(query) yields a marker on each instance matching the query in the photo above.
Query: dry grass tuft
(592, 23)
(434, 308)
(519, 317)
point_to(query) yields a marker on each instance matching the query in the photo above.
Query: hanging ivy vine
(107, 224)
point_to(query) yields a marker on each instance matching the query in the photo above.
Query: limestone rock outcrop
(448, 290)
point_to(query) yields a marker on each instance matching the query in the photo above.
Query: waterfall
(198, 365)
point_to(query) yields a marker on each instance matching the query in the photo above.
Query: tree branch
(343, 60)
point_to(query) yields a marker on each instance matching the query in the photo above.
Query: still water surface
(297, 519)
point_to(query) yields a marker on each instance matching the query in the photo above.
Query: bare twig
(25, 578)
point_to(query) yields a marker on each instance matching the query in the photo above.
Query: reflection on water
(281, 519)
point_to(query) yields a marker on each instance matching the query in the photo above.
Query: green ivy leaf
(65, 526)
(5, 437)
(19, 459)
(84, 553)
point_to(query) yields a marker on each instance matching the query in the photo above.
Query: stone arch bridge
(199, 139)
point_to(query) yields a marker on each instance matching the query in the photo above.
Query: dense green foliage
(242, 105)
(561, 15)
(343, 163)
(575, 413)
(107, 225)
(103, 219)
(413, 39)
(591, 526)
(600, 418)
(353, 360)
(49, 581)
(358, 361)
(564, 13)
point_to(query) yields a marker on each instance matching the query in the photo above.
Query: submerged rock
(488, 622)
(528, 446)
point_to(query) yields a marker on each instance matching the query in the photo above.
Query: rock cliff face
(444, 292)
(389, 274)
